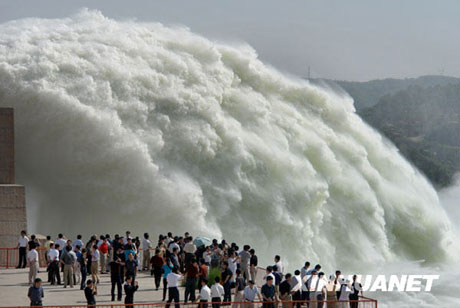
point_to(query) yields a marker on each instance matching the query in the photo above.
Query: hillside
(368, 94)
(424, 123)
(421, 116)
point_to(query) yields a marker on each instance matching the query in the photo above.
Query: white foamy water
(129, 125)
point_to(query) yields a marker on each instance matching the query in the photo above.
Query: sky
(337, 39)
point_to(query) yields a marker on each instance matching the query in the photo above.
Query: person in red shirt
(103, 249)
(157, 262)
(191, 273)
(203, 272)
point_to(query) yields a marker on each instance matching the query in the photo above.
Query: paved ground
(14, 287)
(13, 290)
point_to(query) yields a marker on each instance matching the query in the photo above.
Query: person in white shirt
(173, 245)
(189, 249)
(232, 265)
(173, 280)
(95, 257)
(61, 241)
(304, 270)
(32, 258)
(344, 294)
(205, 294)
(320, 290)
(217, 291)
(250, 292)
(78, 242)
(269, 272)
(127, 237)
(22, 245)
(53, 257)
(168, 239)
(146, 248)
(296, 288)
(207, 256)
(307, 278)
(279, 265)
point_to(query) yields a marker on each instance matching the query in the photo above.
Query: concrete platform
(14, 287)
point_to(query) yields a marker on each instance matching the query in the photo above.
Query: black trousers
(268, 305)
(116, 281)
(165, 288)
(297, 296)
(216, 301)
(354, 298)
(203, 303)
(22, 257)
(36, 303)
(173, 296)
(157, 273)
(83, 277)
(190, 286)
(55, 275)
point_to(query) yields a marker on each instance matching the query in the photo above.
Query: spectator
(103, 251)
(167, 268)
(240, 284)
(205, 294)
(131, 267)
(146, 247)
(68, 260)
(191, 273)
(95, 257)
(90, 292)
(116, 277)
(356, 288)
(253, 265)
(130, 288)
(36, 293)
(250, 292)
(157, 263)
(82, 260)
(32, 258)
(77, 242)
(22, 245)
(285, 291)
(53, 257)
(173, 283)
(217, 291)
(268, 293)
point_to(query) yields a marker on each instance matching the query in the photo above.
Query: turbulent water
(129, 125)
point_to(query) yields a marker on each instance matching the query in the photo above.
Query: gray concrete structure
(13, 216)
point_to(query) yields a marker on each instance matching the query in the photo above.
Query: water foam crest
(136, 125)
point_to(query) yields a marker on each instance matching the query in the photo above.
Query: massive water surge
(129, 125)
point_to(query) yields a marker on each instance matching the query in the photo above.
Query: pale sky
(338, 39)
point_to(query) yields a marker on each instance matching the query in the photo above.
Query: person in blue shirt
(167, 268)
(36, 293)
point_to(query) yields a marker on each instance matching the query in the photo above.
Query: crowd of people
(179, 260)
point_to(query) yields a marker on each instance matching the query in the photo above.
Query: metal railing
(362, 302)
(9, 257)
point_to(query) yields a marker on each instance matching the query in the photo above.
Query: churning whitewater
(130, 125)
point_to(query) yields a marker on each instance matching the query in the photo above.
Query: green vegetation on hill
(424, 123)
(368, 94)
(421, 116)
